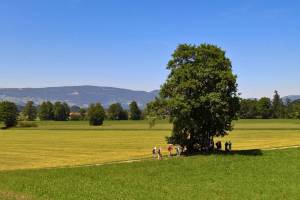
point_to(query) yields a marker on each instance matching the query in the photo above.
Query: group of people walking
(157, 152)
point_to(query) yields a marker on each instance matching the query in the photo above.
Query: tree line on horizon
(263, 108)
(266, 108)
(61, 111)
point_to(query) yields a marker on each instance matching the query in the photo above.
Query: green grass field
(247, 173)
(56, 144)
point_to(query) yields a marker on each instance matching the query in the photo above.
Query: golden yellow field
(57, 144)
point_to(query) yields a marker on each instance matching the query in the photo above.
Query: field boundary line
(100, 164)
(149, 158)
(283, 147)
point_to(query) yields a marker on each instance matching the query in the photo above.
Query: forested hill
(77, 95)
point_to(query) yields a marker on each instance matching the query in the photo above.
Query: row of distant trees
(61, 111)
(263, 108)
(266, 108)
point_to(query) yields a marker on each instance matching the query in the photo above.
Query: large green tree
(201, 95)
(135, 112)
(8, 113)
(61, 111)
(295, 113)
(249, 109)
(116, 112)
(96, 114)
(46, 111)
(265, 108)
(277, 106)
(29, 111)
(67, 109)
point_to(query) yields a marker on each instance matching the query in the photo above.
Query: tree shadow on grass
(250, 152)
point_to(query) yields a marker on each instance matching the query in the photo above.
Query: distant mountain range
(78, 95)
(84, 95)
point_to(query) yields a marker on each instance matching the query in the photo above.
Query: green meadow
(51, 161)
(248, 174)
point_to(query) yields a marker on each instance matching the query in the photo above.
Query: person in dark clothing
(229, 145)
(159, 154)
(219, 145)
(226, 146)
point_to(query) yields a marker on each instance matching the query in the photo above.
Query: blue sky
(128, 43)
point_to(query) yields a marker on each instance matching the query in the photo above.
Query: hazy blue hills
(84, 95)
(77, 95)
(291, 97)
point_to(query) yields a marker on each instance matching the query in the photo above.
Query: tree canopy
(265, 107)
(30, 111)
(200, 94)
(249, 109)
(96, 114)
(116, 112)
(61, 111)
(277, 106)
(135, 112)
(8, 113)
(295, 107)
(46, 111)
